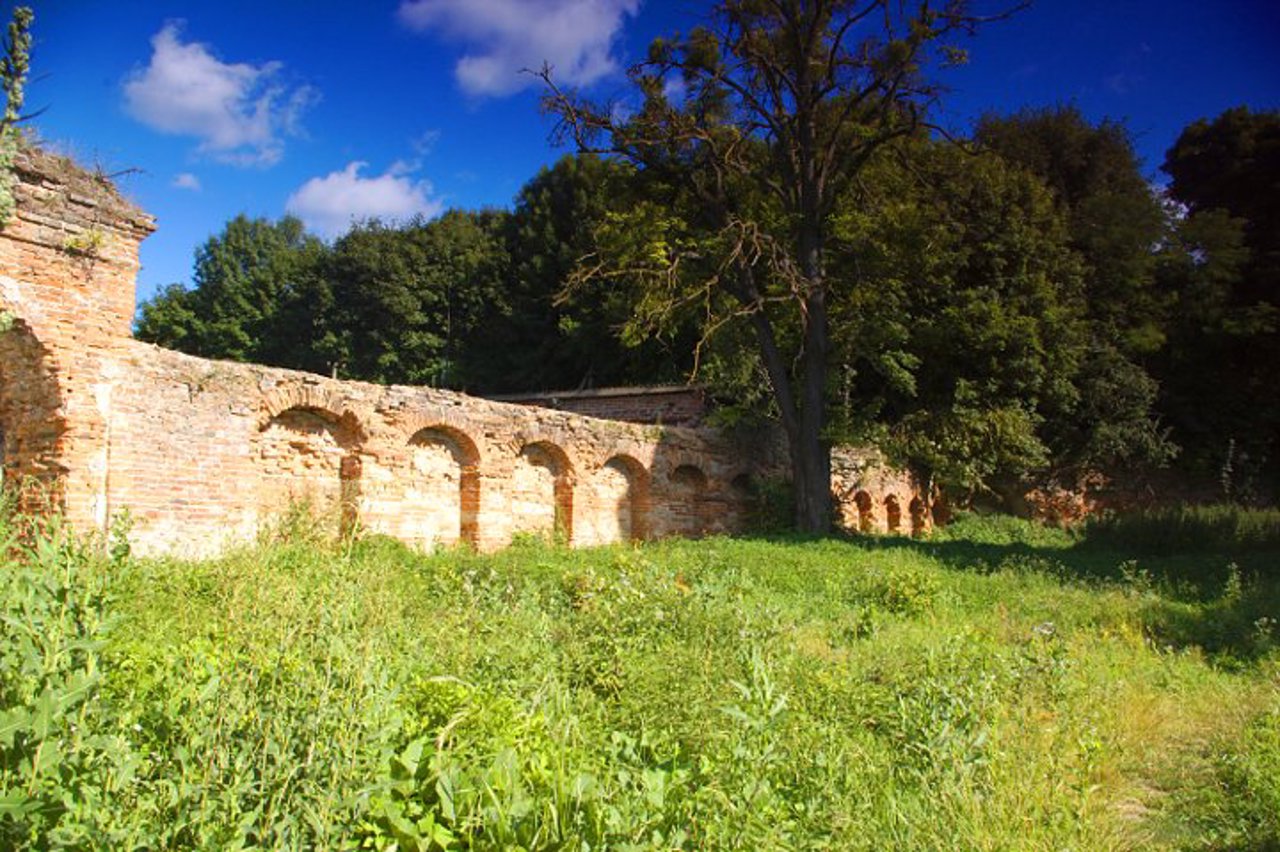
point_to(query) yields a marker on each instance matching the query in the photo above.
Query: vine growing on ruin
(13, 77)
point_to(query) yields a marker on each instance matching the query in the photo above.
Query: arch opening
(892, 514)
(866, 513)
(631, 505)
(543, 499)
(917, 512)
(440, 504)
(689, 508)
(309, 458)
(32, 421)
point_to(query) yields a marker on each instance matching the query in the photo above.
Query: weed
(315, 691)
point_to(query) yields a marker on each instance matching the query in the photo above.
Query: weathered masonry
(204, 453)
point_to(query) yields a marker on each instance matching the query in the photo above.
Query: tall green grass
(994, 688)
(1189, 529)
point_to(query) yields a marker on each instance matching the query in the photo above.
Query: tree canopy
(1023, 306)
(783, 106)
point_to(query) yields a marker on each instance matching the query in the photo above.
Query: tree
(783, 105)
(1114, 219)
(1115, 224)
(961, 329)
(406, 300)
(1223, 270)
(248, 280)
(553, 338)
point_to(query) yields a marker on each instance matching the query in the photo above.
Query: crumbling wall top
(54, 190)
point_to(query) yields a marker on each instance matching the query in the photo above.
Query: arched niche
(689, 486)
(623, 487)
(892, 514)
(866, 514)
(32, 422)
(542, 491)
(442, 496)
(310, 457)
(744, 491)
(917, 512)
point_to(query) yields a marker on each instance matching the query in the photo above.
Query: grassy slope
(999, 687)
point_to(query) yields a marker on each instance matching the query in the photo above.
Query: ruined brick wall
(205, 453)
(873, 497)
(68, 258)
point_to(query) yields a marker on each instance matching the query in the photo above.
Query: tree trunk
(810, 455)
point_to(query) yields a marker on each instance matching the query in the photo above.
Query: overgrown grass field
(999, 686)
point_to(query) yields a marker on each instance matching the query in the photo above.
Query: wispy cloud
(330, 204)
(239, 112)
(503, 37)
(186, 180)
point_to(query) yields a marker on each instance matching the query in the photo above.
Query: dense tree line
(1022, 303)
(472, 300)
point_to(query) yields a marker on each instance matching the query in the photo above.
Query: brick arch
(917, 511)
(466, 455)
(892, 514)
(447, 421)
(32, 421)
(311, 454)
(329, 405)
(866, 511)
(689, 486)
(544, 453)
(633, 508)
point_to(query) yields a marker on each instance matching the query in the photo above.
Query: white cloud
(239, 112)
(186, 180)
(330, 204)
(506, 36)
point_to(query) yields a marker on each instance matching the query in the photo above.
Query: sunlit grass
(999, 686)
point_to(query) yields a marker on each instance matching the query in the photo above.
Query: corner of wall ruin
(68, 262)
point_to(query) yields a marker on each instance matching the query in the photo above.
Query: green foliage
(962, 327)
(405, 301)
(1114, 224)
(566, 338)
(14, 66)
(978, 690)
(254, 297)
(1189, 529)
(1224, 273)
(61, 760)
(783, 107)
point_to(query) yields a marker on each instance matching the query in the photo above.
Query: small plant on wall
(87, 244)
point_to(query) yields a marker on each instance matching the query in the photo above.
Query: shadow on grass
(1204, 586)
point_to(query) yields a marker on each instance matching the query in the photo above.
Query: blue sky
(395, 107)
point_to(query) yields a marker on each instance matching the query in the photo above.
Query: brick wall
(674, 405)
(206, 453)
(68, 258)
(873, 497)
